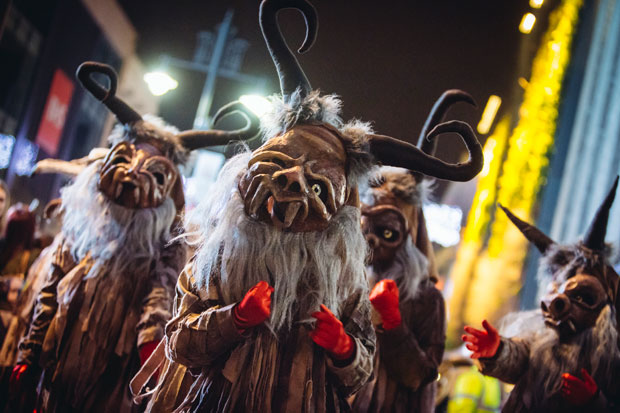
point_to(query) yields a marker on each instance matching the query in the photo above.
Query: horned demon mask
(394, 200)
(582, 280)
(140, 171)
(307, 169)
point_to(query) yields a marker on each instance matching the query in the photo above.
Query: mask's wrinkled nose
(291, 180)
(558, 305)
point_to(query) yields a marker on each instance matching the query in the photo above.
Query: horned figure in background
(273, 311)
(570, 362)
(108, 291)
(410, 325)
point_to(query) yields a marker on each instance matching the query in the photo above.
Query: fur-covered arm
(412, 353)
(46, 306)
(157, 305)
(202, 331)
(510, 362)
(356, 373)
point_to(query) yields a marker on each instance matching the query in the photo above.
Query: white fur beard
(113, 235)
(409, 269)
(305, 269)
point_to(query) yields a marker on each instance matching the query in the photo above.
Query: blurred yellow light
(536, 4)
(527, 23)
(257, 104)
(160, 83)
(523, 82)
(488, 116)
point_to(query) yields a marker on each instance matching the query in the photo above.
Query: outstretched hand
(577, 391)
(482, 343)
(329, 333)
(255, 307)
(384, 298)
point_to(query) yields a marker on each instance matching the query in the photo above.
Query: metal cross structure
(217, 54)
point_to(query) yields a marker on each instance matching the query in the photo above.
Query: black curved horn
(196, 139)
(290, 72)
(437, 114)
(393, 152)
(122, 110)
(533, 234)
(595, 236)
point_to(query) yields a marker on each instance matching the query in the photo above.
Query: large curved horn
(122, 110)
(595, 236)
(289, 71)
(533, 234)
(196, 139)
(437, 114)
(393, 152)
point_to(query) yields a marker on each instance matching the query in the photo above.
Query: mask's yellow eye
(387, 234)
(317, 189)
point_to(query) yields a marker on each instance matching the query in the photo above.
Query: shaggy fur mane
(402, 184)
(155, 129)
(562, 262)
(322, 109)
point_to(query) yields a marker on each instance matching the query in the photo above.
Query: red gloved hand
(19, 372)
(482, 343)
(577, 391)
(255, 307)
(146, 350)
(329, 334)
(384, 297)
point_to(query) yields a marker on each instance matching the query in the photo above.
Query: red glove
(577, 391)
(329, 334)
(146, 350)
(19, 372)
(482, 343)
(255, 307)
(384, 297)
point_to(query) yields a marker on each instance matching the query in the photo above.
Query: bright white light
(25, 157)
(6, 149)
(160, 83)
(489, 113)
(536, 4)
(527, 23)
(443, 223)
(257, 104)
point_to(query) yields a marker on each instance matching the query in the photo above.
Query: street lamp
(160, 83)
(257, 104)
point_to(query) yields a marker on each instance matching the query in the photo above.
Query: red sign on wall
(55, 113)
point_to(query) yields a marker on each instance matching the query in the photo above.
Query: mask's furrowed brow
(263, 155)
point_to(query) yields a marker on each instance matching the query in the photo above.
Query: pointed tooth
(291, 213)
(571, 325)
(257, 200)
(136, 195)
(119, 189)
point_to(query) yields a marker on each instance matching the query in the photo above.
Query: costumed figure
(410, 311)
(108, 291)
(16, 256)
(24, 307)
(272, 311)
(564, 358)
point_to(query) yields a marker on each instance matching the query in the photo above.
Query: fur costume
(409, 355)
(108, 291)
(287, 216)
(579, 337)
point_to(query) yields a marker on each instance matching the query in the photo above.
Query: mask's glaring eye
(319, 190)
(388, 234)
(159, 177)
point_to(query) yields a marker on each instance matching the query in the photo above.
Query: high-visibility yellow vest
(475, 393)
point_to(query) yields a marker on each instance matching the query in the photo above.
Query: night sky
(388, 62)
